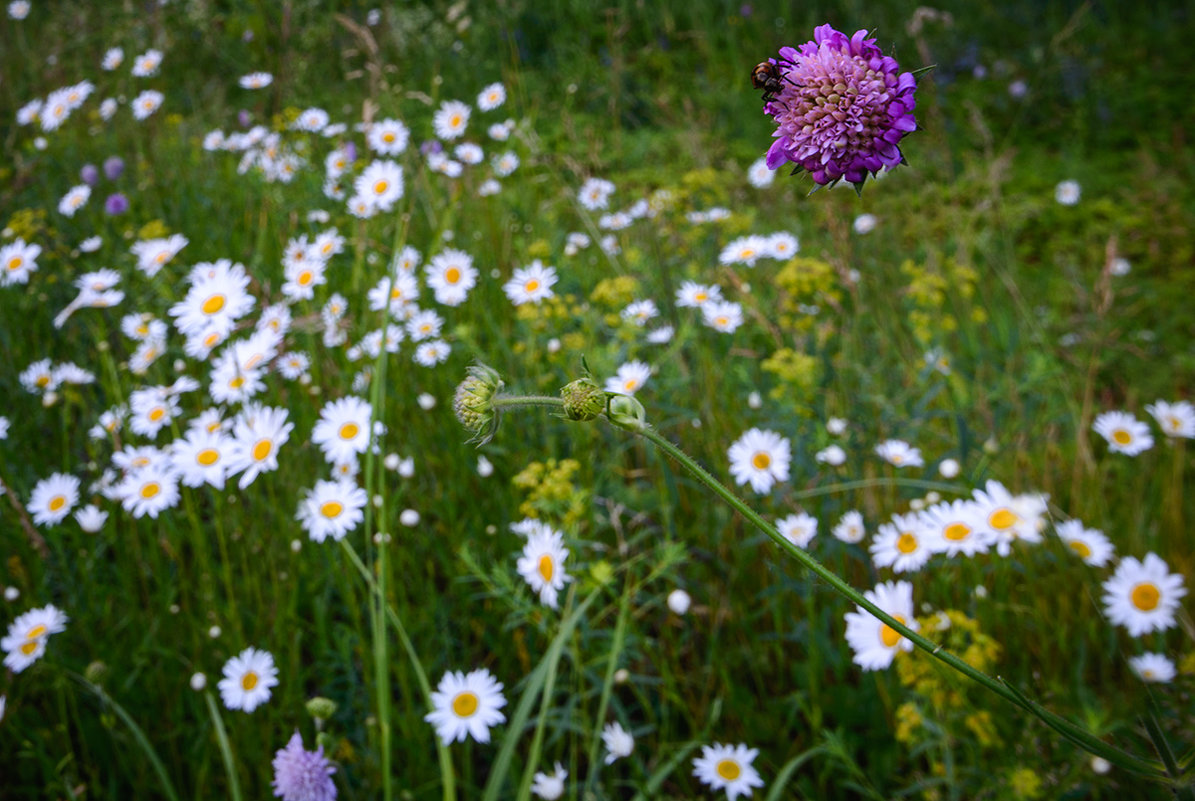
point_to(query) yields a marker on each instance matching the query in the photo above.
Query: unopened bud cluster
(474, 402)
(583, 400)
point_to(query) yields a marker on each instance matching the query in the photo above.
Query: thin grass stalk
(234, 783)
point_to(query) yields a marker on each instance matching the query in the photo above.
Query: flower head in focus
(840, 105)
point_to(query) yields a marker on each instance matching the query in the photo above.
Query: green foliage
(972, 263)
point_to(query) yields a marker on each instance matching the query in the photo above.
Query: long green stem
(234, 784)
(1071, 731)
(1076, 734)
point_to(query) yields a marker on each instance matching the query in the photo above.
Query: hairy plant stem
(1071, 731)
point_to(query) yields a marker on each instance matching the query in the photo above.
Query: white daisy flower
(1124, 433)
(256, 80)
(899, 453)
(640, 311)
(1143, 595)
(1067, 192)
(53, 498)
(332, 508)
(549, 786)
(451, 119)
(954, 528)
(901, 544)
(722, 315)
(146, 103)
(832, 455)
(74, 200)
(694, 295)
(466, 705)
(1092, 546)
(875, 643)
(728, 767)
(429, 354)
(758, 174)
(618, 741)
(1175, 419)
(381, 183)
(799, 529)
(491, 97)
(629, 378)
(595, 193)
(248, 677)
(530, 284)
(258, 433)
(342, 432)
(91, 518)
(850, 528)
(782, 245)
(200, 457)
(149, 490)
(450, 275)
(147, 63)
(25, 641)
(18, 260)
(761, 458)
(744, 250)
(1153, 667)
(542, 565)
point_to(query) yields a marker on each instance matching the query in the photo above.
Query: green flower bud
(321, 708)
(96, 672)
(584, 400)
(474, 402)
(626, 412)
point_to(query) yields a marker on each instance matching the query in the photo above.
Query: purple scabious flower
(301, 775)
(116, 204)
(113, 167)
(841, 108)
(89, 174)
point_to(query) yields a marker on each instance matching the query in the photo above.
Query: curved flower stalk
(624, 412)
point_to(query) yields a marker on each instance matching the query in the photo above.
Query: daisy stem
(1071, 731)
(138, 733)
(234, 784)
(447, 778)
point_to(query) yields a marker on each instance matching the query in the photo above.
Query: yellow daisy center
(630, 385)
(306, 277)
(237, 382)
(748, 253)
(157, 413)
(29, 647)
(15, 263)
(1002, 519)
(531, 285)
(1122, 437)
(889, 635)
(207, 457)
(43, 380)
(388, 137)
(331, 509)
(1175, 423)
(906, 543)
(349, 430)
(35, 632)
(546, 567)
(728, 769)
(956, 531)
(1081, 548)
(452, 275)
(150, 490)
(263, 449)
(701, 297)
(162, 257)
(1145, 596)
(380, 187)
(211, 340)
(248, 681)
(213, 304)
(761, 461)
(455, 122)
(56, 503)
(465, 704)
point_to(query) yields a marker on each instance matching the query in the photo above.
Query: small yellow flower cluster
(798, 374)
(615, 292)
(803, 283)
(551, 493)
(929, 290)
(154, 229)
(27, 224)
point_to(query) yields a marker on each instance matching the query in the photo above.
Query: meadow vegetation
(566, 191)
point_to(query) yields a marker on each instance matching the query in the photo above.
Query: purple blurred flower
(841, 109)
(244, 118)
(113, 167)
(301, 775)
(89, 174)
(431, 146)
(116, 204)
